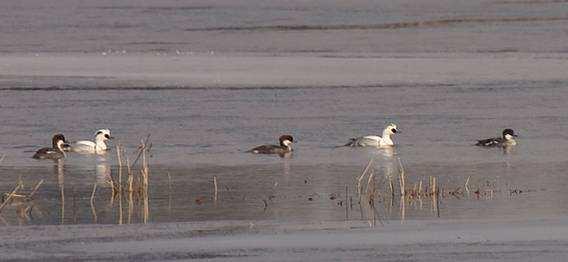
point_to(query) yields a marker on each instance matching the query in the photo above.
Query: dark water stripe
(462, 87)
(531, 2)
(398, 25)
(159, 88)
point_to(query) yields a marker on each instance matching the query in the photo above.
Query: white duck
(376, 141)
(89, 147)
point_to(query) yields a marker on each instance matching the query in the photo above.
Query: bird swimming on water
(99, 146)
(507, 139)
(56, 151)
(283, 148)
(383, 141)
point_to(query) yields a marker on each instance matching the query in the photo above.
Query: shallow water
(197, 134)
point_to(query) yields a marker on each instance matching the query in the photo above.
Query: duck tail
(350, 143)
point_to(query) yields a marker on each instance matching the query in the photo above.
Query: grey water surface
(201, 133)
(296, 26)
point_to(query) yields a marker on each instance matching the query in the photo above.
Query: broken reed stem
(466, 186)
(36, 188)
(215, 186)
(10, 196)
(141, 150)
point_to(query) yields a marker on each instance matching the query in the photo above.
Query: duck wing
(83, 146)
(364, 141)
(47, 153)
(490, 142)
(264, 149)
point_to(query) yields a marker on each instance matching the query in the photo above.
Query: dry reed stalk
(371, 194)
(402, 209)
(3, 221)
(402, 179)
(435, 196)
(145, 167)
(359, 186)
(119, 159)
(215, 188)
(145, 175)
(130, 177)
(420, 189)
(62, 193)
(120, 218)
(146, 209)
(2, 157)
(389, 207)
(36, 188)
(141, 149)
(346, 204)
(93, 193)
(363, 175)
(391, 187)
(466, 186)
(10, 196)
(369, 181)
(19, 196)
(93, 209)
(130, 207)
(435, 186)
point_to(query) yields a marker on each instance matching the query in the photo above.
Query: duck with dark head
(285, 147)
(56, 151)
(507, 139)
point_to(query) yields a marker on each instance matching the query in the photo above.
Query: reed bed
(417, 191)
(135, 189)
(137, 182)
